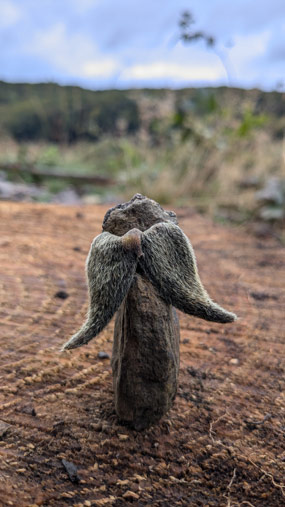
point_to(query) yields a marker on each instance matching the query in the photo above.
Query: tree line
(66, 114)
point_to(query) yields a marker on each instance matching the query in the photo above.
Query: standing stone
(145, 357)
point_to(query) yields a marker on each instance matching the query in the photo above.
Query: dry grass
(207, 176)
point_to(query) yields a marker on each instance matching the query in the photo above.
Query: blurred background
(182, 101)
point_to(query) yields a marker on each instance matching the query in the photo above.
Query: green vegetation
(64, 114)
(208, 148)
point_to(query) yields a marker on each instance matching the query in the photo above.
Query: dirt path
(223, 442)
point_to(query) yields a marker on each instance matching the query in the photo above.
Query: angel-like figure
(142, 266)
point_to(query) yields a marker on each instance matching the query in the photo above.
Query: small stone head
(140, 213)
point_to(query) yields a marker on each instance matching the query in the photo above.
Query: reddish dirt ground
(222, 444)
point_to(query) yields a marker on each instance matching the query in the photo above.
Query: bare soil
(222, 444)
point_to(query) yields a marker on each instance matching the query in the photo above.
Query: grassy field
(211, 149)
(216, 177)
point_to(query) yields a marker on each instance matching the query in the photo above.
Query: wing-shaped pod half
(110, 267)
(169, 263)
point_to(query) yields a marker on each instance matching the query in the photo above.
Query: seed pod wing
(110, 268)
(169, 263)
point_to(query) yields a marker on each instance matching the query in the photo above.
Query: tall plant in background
(188, 35)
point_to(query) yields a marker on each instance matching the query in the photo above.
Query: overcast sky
(133, 43)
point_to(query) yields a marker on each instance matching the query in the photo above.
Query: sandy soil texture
(222, 444)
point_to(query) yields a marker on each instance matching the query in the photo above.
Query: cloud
(276, 46)
(98, 68)
(250, 46)
(74, 54)
(242, 17)
(10, 13)
(123, 43)
(246, 55)
(173, 71)
(83, 6)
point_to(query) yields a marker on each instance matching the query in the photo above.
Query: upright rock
(145, 358)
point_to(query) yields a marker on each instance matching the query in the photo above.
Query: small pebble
(131, 495)
(3, 428)
(71, 470)
(123, 437)
(103, 355)
(234, 360)
(28, 409)
(61, 294)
